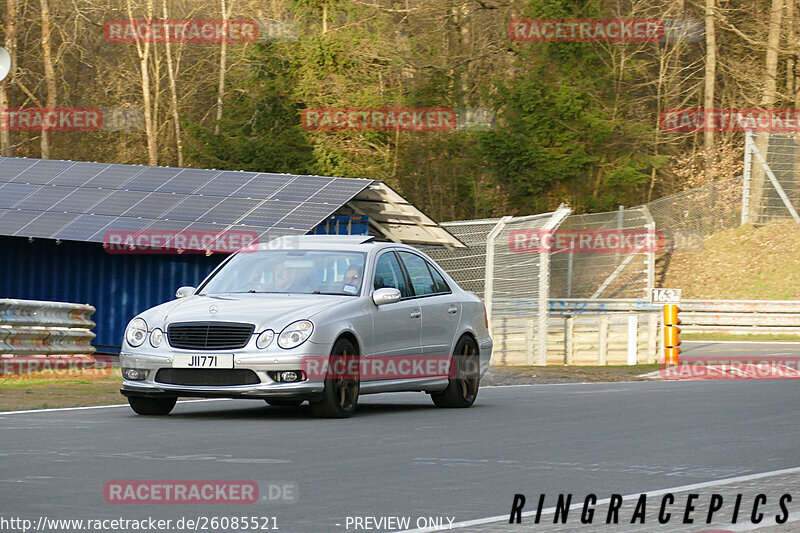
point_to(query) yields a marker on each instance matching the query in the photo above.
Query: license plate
(224, 360)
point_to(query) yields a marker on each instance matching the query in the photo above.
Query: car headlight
(156, 336)
(264, 339)
(136, 332)
(295, 334)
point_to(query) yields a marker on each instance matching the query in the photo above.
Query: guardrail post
(671, 337)
(602, 350)
(544, 285)
(633, 330)
(569, 339)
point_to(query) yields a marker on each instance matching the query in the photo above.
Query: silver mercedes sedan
(322, 319)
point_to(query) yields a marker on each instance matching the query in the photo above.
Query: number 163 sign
(665, 296)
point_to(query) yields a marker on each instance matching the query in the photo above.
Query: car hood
(273, 311)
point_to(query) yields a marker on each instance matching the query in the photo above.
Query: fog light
(289, 376)
(134, 374)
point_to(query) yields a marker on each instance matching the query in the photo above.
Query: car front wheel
(464, 376)
(342, 383)
(142, 405)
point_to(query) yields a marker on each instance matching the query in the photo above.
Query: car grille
(209, 335)
(207, 376)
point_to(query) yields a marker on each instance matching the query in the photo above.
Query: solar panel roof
(82, 201)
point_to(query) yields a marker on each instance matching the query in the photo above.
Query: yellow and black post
(671, 331)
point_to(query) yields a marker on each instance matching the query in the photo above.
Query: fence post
(602, 349)
(633, 335)
(569, 339)
(651, 256)
(544, 284)
(748, 161)
(488, 289)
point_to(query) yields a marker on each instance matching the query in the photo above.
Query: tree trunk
(223, 56)
(708, 94)
(11, 46)
(49, 74)
(768, 98)
(173, 91)
(143, 49)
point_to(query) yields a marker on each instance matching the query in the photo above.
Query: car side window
(418, 272)
(438, 281)
(389, 274)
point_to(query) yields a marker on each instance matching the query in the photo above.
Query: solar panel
(306, 216)
(229, 210)
(41, 172)
(121, 226)
(46, 196)
(13, 193)
(188, 180)
(114, 177)
(83, 227)
(16, 219)
(154, 205)
(226, 183)
(77, 174)
(46, 224)
(339, 191)
(11, 167)
(118, 202)
(269, 213)
(81, 200)
(192, 208)
(302, 188)
(262, 186)
(151, 178)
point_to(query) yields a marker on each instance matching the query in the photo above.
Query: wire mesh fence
(771, 179)
(522, 266)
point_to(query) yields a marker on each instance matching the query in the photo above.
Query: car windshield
(295, 271)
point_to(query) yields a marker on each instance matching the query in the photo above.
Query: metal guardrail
(31, 327)
(625, 330)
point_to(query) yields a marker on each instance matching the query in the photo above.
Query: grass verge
(18, 394)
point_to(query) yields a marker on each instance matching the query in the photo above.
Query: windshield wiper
(332, 293)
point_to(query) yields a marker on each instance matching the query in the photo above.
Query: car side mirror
(385, 296)
(183, 292)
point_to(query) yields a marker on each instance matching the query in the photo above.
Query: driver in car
(352, 280)
(290, 280)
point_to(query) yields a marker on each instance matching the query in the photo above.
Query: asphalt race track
(402, 457)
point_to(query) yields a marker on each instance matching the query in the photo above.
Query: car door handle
(452, 309)
(415, 314)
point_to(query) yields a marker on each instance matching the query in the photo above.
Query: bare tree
(223, 57)
(143, 51)
(173, 91)
(708, 90)
(49, 73)
(769, 95)
(11, 46)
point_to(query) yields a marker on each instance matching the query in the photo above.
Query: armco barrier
(626, 331)
(30, 327)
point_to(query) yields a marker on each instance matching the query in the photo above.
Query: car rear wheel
(463, 387)
(142, 405)
(340, 397)
(277, 402)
